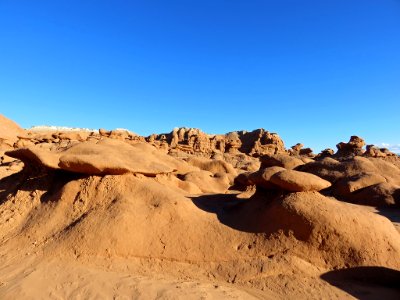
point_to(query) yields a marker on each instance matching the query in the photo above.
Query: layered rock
(353, 147)
(194, 141)
(298, 150)
(260, 141)
(373, 151)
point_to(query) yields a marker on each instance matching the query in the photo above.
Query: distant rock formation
(353, 147)
(195, 141)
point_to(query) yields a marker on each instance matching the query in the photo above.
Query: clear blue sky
(314, 71)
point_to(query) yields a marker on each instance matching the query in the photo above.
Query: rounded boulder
(296, 181)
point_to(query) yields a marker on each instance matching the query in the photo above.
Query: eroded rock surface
(235, 208)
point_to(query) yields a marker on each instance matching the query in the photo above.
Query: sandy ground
(31, 276)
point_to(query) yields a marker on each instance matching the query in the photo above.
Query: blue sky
(316, 72)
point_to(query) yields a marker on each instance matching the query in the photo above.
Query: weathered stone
(295, 181)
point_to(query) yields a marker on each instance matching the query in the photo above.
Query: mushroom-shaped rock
(280, 160)
(296, 181)
(296, 148)
(36, 157)
(356, 142)
(325, 153)
(114, 157)
(353, 147)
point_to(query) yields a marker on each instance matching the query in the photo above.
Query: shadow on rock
(240, 214)
(9, 185)
(50, 181)
(366, 282)
(393, 214)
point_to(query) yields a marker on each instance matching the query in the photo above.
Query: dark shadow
(7, 164)
(50, 181)
(392, 213)
(9, 185)
(56, 181)
(237, 187)
(366, 282)
(239, 214)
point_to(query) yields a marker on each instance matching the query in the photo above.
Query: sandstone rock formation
(260, 141)
(9, 132)
(298, 150)
(295, 181)
(235, 208)
(359, 176)
(260, 178)
(373, 151)
(334, 231)
(106, 157)
(194, 141)
(353, 147)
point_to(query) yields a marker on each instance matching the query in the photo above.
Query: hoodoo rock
(36, 157)
(115, 157)
(296, 148)
(259, 142)
(232, 142)
(373, 151)
(325, 153)
(295, 181)
(104, 157)
(353, 147)
(194, 141)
